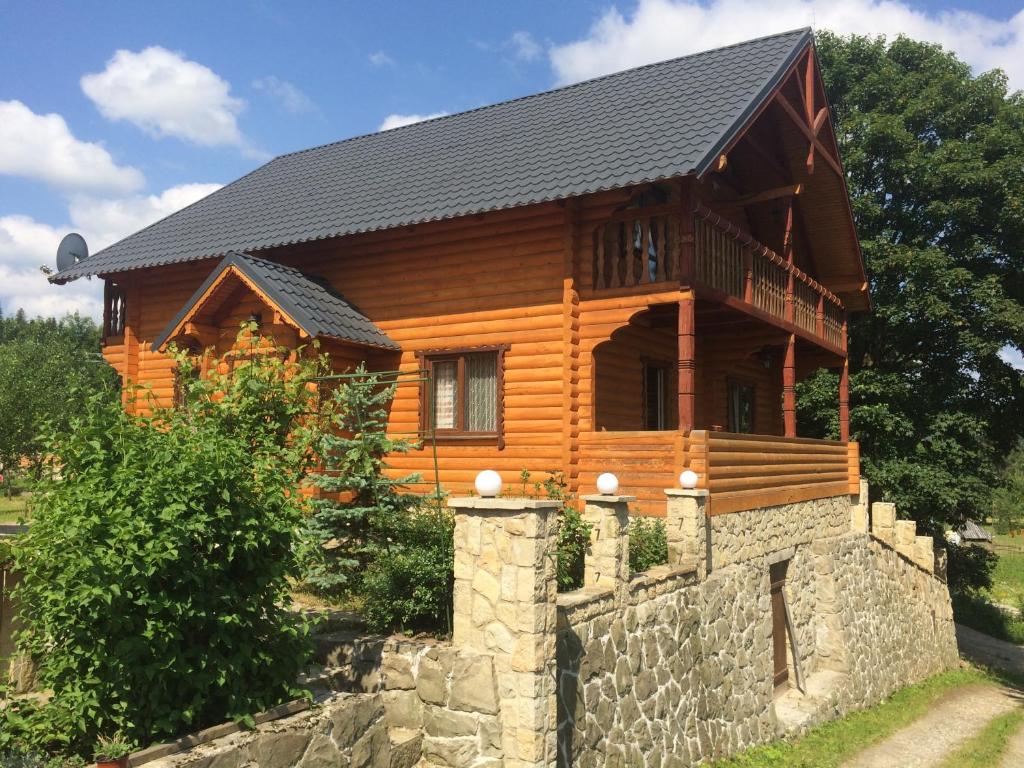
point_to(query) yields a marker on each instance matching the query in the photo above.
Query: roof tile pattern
(654, 122)
(311, 303)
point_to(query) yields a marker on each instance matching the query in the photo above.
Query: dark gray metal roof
(309, 301)
(654, 122)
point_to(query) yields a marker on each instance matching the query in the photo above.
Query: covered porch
(704, 377)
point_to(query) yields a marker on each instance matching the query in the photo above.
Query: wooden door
(778, 582)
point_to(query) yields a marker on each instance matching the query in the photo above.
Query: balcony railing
(636, 247)
(729, 260)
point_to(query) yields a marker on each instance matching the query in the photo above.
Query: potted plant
(112, 751)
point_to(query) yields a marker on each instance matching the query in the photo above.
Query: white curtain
(482, 392)
(445, 394)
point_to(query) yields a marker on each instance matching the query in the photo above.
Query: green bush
(573, 538)
(648, 543)
(156, 571)
(408, 582)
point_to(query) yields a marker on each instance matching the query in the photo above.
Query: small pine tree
(363, 505)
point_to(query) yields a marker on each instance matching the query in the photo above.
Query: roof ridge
(538, 94)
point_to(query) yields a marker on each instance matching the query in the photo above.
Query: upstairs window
(464, 393)
(741, 407)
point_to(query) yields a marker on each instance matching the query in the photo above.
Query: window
(741, 407)
(655, 393)
(464, 393)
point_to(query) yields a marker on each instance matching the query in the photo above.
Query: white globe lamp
(688, 479)
(488, 483)
(607, 484)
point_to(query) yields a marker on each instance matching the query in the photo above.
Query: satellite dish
(72, 249)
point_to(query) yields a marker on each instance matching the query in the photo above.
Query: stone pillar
(883, 522)
(906, 533)
(687, 529)
(924, 553)
(858, 518)
(607, 558)
(505, 606)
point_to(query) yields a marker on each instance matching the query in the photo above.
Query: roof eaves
(708, 162)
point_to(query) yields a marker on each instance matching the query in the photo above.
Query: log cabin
(627, 274)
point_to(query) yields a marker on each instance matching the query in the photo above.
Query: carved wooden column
(789, 387)
(844, 390)
(687, 362)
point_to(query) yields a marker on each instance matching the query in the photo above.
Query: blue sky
(115, 114)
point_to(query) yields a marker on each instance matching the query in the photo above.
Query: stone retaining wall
(672, 666)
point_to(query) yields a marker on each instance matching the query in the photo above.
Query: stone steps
(797, 712)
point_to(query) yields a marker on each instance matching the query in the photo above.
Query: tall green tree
(46, 366)
(934, 159)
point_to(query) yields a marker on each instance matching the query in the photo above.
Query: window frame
(731, 382)
(427, 358)
(665, 366)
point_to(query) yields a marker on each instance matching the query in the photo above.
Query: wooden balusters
(634, 249)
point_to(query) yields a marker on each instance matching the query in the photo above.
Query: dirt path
(990, 651)
(927, 741)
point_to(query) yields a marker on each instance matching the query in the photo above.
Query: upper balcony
(644, 247)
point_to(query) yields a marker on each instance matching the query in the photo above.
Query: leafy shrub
(969, 568)
(648, 543)
(408, 581)
(155, 591)
(391, 549)
(573, 538)
(572, 534)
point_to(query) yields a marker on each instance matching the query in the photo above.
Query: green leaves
(935, 168)
(156, 571)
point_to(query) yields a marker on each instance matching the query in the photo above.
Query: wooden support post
(787, 252)
(789, 387)
(687, 363)
(686, 232)
(844, 401)
(844, 389)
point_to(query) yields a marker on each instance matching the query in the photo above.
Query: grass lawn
(1008, 576)
(11, 509)
(830, 744)
(984, 749)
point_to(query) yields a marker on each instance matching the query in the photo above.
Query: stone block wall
(669, 667)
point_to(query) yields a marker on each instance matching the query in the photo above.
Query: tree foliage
(156, 571)
(45, 366)
(373, 538)
(1008, 499)
(935, 167)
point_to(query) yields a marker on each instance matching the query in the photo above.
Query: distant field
(11, 509)
(1008, 576)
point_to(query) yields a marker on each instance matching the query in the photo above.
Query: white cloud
(105, 221)
(27, 244)
(381, 59)
(165, 94)
(397, 121)
(663, 29)
(287, 94)
(42, 147)
(525, 47)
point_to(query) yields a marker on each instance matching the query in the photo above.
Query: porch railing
(729, 260)
(741, 471)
